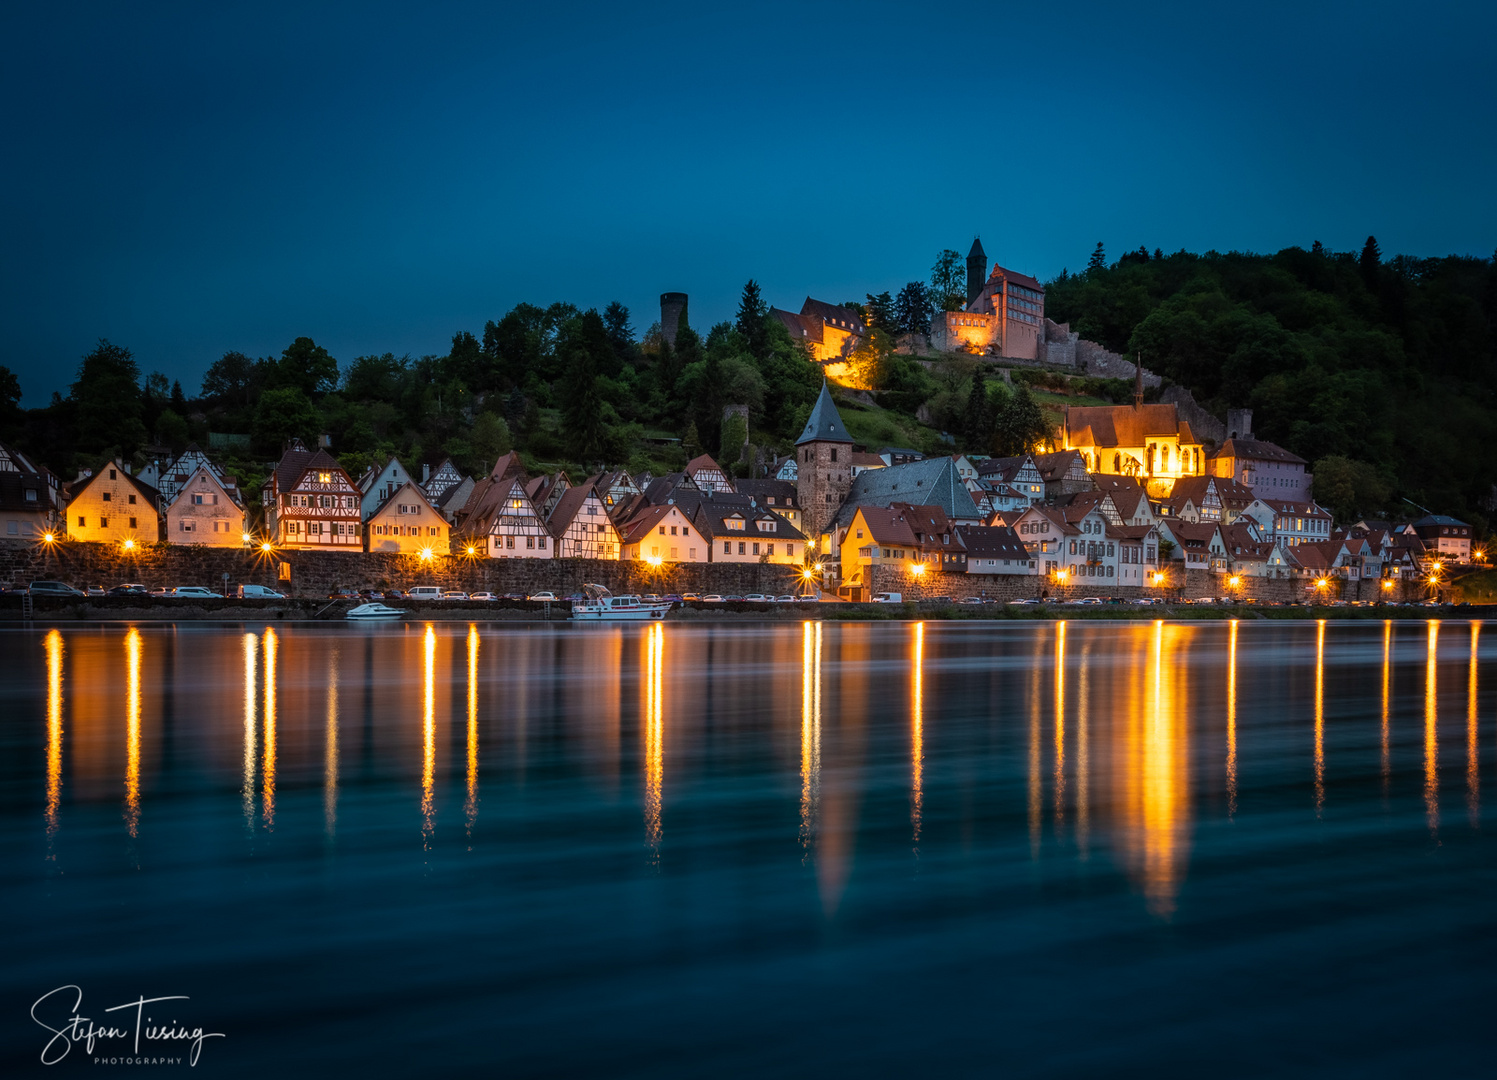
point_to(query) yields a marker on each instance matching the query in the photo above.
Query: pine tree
(977, 419)
(1021, 426)
(751, 316)
(581, 409)
(1370, 263)
(1098, 261)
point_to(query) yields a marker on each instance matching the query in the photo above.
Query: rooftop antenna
(1138, 380)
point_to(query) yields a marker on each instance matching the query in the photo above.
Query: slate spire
(825, 423)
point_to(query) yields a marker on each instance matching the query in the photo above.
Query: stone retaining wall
(316, 573)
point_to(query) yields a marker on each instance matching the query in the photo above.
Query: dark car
(129, 590)
(513, 596)
(53, 588)
(342, 594)
(371, 594)
(395, 594)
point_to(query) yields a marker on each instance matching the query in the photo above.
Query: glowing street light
(426, 554)
(129, 545)
(49, 538)
(654, 560)
(918, 570)
(245, 537)
(265, 547)
(472, 550)
(1234, 581)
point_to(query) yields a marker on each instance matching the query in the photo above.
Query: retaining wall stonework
(316, 573)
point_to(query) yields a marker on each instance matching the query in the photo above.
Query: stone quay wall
(316, 573)
(1187, 585)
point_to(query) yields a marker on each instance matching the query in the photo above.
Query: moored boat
(603, 605)
(375, 611)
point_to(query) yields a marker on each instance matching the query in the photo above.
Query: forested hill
(1379, 371)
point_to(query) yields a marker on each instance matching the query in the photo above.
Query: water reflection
(272, 648)
(470, 805)
(1387, 700)
(1232, 720)
(1060, 721)
(654, 736)
(1035, 793)
(330, 749)
(428, 737)
(1431, 736)
(1473, 778)
(1319, 716)
(1083, 761)
(54, 649)
(132, 731)
(251, 667)
(810, 733)
(917, 736)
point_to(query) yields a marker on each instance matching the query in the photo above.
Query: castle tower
(823, 467)
(977, 269)
(672, 312)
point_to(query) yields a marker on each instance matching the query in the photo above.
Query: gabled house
(786, 469)
(747, 533)
(453, 499)
(407, 522)
(1064, 473)
(1444, 537)
(877, 536)
(1267, 469)
(311, 503)
(206, 510)
(930, 482)
(996, 550)
(614, 487)
(776, 495)
(708, 475)
(581, 525)
(1150, 442)
(1299, 522)
(1020, 473)
(862, 461)
(1198, 544)
(30, 497)
(940, 547)
(661, 534)
(172, 477)
(500, 520)
(1043, 530)
(1128, 497)
(1138, 553)
(111, 506)
(437, 481)
(380, 482)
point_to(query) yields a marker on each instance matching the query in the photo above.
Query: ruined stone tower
(823, 467)
(672, 310)
(977, 269)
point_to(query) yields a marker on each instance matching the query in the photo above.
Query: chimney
(425, 472)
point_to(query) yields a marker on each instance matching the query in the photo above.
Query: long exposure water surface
(693, 849)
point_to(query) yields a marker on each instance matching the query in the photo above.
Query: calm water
(916, 849)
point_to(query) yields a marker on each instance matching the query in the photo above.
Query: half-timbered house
(311, 503)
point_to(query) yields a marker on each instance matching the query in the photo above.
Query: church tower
(977, 269)
(823, 466)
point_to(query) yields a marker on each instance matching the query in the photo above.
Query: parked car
(546, 597)
(371, 594)
(888, 598)
(395, 594)
(756, 598)
(482, 596)
(342, 594)
(808, 598)
(512, 596)
(684, 596)
(786, 599)
(425, 592)
(160, 590)
(712, 598)
(53, 588)
(130, 590)
(734, 599)
(257, 592)
(972, 599)
(454, 594)
(95, 590)
(672, 598)
(194, 592)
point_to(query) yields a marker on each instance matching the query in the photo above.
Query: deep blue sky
(190, 179)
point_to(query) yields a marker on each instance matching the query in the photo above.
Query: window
(756, 548)
(132, 523)
(834, 453)
(741, 547)
(727, 548)
(673, 530)
(107, 496)
(80, 521)
(132, 499)
(112, 475)
(509, 543)
(530, 542)
(662, 530)
(103, 523)
(541, 543)
(769, 549)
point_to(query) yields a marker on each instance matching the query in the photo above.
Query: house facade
(111, 506)
(29, 497)
(582, 527)
(206, 511)
(408, 523)
(311, 503)
(662, 534)
(379, 483)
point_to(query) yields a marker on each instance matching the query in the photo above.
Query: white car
(482, 596)
(425, 592)
(756, 598)
(712, 598)
(784, 599)
(549, 597)
(454, 594)
(194, 592)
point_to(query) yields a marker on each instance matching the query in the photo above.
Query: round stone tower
(672, 308)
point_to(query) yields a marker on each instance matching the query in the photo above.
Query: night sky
(190, 179)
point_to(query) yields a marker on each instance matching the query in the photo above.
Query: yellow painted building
(1148, 442)
(407, 522)
(111, 506)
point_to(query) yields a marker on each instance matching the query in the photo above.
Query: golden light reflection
(1319, 716)
(330, 750)
(1060, 721)
(1473, 779)
(917, 736)
(429, 738)
(1387, 699)
(1034, 750)
(470, 806)
(251, 667)
(810, 734)
(54, 647)
(1431, 737)
(654, 737)
(1232, 720)
(1083, 764)
(132, 730)
(267, 798)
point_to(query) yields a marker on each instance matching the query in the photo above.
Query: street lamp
(129, 545)
(426, 554)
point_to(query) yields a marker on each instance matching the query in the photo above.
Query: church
(1150, 443)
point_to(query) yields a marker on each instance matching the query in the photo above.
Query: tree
(107, 403)
(1098, 261)
(1021, 426)
(750, 323)
(977, 419)
(490, 438)
(171, 429)
(912, 309)
(307, 366)
(465, 361)
(620, 333)
(880, 311)
(1350, 488)
(284, 413)
(734, 438)
(582, 407)
(178, 399)
(948, 282)
(691, 442)
(1370, 263)
(231, 379)
(10, 401)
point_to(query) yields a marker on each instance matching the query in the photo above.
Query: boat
(603, 605)
(375, 611)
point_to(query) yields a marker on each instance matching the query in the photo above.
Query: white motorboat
(375, 611)
(602, 604)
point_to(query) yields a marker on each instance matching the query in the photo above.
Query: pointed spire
(1138, 380)
(825, 423)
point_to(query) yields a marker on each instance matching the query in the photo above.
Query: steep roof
(801, 327)
(13, 488)
(570, 504)
(781, 491)
(633, 530)
(825, 423)
(1056, 465)
(835, 315)
(400, 492)
(1257, 450)
(887, 525)
(934, 482)
(1126, 425)
(976, 248)
(1018, 278)
(145, 490)
(711, 513)
(992, 542)
(1439, 519)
